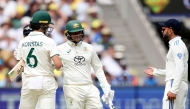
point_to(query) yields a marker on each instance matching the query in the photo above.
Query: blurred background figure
(150, 81)
(3, 73)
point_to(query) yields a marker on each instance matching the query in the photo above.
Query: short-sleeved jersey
(77, 61)
(176, 63)
(36, 50)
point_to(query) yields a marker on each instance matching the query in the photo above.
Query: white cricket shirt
(36, 50)
(176, 64)
(77, 61)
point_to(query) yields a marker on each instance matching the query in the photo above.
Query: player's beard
(77, 40)
(166, 36)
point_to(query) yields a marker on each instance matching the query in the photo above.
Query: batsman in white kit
(176, 71)
(77, 58)
(38, 51)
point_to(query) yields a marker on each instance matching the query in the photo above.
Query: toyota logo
(79, 59)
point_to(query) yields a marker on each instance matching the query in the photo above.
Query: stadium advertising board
(125, 98)
(166, 8)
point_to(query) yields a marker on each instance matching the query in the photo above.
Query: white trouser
(44, 97)
(179, 102)
(82, 97)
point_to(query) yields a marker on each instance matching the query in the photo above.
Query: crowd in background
(15, 14)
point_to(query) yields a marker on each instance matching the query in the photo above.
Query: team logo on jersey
(179, 55)
(76, 25)
(85, 49)
(79, 60)
(71, 101)
(69, 51)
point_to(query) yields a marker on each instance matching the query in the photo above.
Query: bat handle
(111, 107)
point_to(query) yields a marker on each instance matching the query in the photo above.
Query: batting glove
(106, 89)
(109, 100)
(17, 54)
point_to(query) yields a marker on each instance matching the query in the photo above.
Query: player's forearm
(159, 72)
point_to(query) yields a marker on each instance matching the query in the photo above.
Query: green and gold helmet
(41, 17)
(73, 26)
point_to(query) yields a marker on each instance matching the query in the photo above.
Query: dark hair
(35, 26)
(43, 26)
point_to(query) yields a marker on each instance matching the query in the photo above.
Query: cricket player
(26, 31)
(77, 58)
(176, 71)
(37, 50)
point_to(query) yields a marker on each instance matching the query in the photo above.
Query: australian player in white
(26, 31)
(77, 58)
(176, 71)
(38, 51)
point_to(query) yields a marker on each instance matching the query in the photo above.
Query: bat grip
(111, 106)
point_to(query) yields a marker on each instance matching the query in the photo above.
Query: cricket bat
(18, 69)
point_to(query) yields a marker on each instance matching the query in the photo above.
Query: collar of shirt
(72, 44)
(36, 33)
(173, 40)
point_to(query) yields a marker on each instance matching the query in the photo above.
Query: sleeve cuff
(173, 91)
(54, 55)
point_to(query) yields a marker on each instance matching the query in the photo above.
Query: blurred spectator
(86, 11)
(66, 8)
(134, 80)
(125, 79)
(3, 72)
(6, 57)
(9, 41)
(99, 50)
(24, 21)
(150, 81)
(3, 30)
(3, 18)
(96, 26)
(16, 20)
(34, 6)
(9, 84)
(111, 65)
(105, 39)
(87, 38)
(59, 19)
(108, 77)
(8, 7)
(57, 16)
